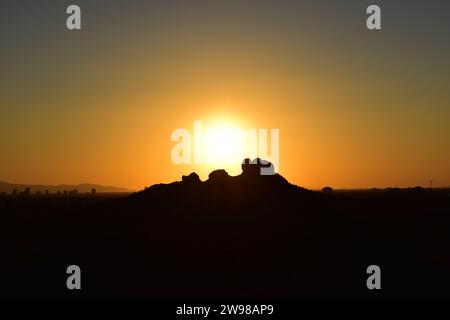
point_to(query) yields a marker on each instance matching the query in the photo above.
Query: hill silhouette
(247, 236)
(250, 187)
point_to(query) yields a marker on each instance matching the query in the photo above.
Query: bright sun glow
(222, 145)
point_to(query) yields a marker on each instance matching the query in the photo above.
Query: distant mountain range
(81, 188)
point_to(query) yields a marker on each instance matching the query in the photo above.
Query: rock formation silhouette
(257, 167)
(191, 179)
(250, 184)
(219, 176)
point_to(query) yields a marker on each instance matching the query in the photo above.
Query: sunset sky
(355, 108)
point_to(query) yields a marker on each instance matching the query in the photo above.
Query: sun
(223, 146)
(220, 145)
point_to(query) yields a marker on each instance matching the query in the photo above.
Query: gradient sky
(355, 108)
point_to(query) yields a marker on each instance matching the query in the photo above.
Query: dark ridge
(250, 236)
(249, 182)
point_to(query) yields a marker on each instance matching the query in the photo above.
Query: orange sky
(355, 109)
